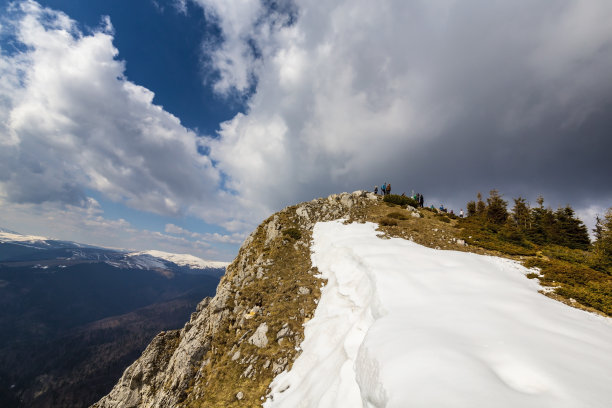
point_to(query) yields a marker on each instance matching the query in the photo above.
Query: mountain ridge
(72, 252)
(237, 342)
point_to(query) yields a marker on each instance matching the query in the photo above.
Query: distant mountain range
(26, 249)
(73, 316)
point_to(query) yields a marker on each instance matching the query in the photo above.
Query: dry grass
(276, 296)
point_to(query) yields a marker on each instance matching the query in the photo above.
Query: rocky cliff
(238, 341)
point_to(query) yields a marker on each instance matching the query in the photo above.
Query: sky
(180, 125)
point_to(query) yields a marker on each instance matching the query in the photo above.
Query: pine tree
(542, 223)
(569, 230)
(520, 214)
(603, 245)
(496, 208)
(480, 205)
(599, 228)
(471, 208)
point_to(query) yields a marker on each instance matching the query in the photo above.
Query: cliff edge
(238, 341)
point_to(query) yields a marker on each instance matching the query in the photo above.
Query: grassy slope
(236, 373)
(569, 275)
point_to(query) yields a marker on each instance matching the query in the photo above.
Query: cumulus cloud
(72, 121)
(235, 238)
(445, 97)
(90, 226)
(243, 23)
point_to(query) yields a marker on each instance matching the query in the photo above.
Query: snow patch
(187, 260)
(14, 237)
(399, 325)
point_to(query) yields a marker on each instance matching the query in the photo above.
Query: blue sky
(161, 45)
(179, 125)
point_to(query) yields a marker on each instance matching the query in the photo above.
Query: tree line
(526, 225)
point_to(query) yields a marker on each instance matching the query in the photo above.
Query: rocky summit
(236, 342)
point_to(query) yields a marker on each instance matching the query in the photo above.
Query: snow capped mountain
(187, 260)
(10, 236)
(30, 247)
(399, 324)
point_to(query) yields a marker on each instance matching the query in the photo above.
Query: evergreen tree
(603, 245)
(496, 208)
(542, 223)
(471, 208)
(521, 215)
(599, 228)
(569, 230)
(480, 205)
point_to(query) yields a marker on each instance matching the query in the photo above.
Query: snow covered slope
(402, 325)
(9, 236)
(187, 260)
(119, 258)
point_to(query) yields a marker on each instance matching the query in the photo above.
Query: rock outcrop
(235, 343)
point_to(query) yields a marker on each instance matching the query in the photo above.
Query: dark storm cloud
(447, 98)
(444, 97)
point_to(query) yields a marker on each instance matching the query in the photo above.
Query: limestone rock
(260, 338)
(279, 365)
(272, 230)
(285, 331)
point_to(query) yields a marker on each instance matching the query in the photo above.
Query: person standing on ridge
(388, 188)
(461, 213)
(376, 190)
(383, 190)
(421, 200)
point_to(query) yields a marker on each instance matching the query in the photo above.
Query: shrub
(400, 200)
(576, 256)
(397, 216)
(443, 217)
(388, 222)
(293, 233)
(597, 295)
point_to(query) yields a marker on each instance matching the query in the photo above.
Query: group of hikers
(386, 190)
(418, 197)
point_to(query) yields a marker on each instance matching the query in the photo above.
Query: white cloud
(71, 121)
(430, 93)
(449, 96)
(235, 238)
(90, 226)
(175, 229)
(244, 24)
(180, 6)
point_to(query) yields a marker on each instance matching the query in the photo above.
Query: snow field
(190, 261)
(402, 325)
